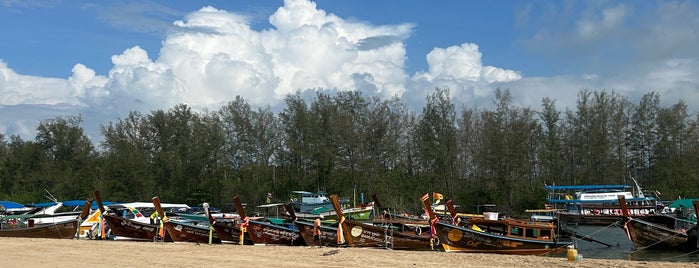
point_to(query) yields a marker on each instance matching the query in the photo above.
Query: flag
(437, 197)
(425, 197)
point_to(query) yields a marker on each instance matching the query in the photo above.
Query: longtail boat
(269, 231)
(181, 231)
(66, 229)
(660, 231)
(402, 222)
(227, 229)
(130, 229)
(328, 233)
(500, 236)
(360, 234)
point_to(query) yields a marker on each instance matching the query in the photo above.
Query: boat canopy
(683, 203)
(301, 192)
(600, 201)
(11, 205)
(70, 203)
(271, 205)
(586, 187)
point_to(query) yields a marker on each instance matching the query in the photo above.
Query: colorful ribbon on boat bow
(433, 231)
(340, 236)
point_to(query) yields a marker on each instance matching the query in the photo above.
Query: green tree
(69, 157)
(438, 141)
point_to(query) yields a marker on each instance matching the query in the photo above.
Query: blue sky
(102, 59)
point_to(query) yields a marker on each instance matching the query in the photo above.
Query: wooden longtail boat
(228, 230)
(660, 231)
(266, 232)
(181, 231)
(127, 229)
(495, 236)
(399, 221)
(328, 233)
(359, 234)
(60, 230)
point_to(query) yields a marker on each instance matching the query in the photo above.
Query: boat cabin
(515, 228)
(598, 200)
(311, 198)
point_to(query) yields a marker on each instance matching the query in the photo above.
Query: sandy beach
(21, 252)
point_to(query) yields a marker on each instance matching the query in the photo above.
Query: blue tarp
(11, 205)
(71, 203)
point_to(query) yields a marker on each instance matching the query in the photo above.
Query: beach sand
(21, 252)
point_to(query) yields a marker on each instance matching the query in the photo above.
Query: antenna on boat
(50, 196)
(638, 188)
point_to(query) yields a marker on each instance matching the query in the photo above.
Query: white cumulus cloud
(210, 56)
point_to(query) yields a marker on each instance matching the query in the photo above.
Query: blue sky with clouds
(102, 59)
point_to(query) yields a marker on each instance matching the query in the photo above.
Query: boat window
(545, 233)
(530, 233)
(515, 231)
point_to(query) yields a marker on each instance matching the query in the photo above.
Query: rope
(586, 235)
(60, 235)
(616, 224)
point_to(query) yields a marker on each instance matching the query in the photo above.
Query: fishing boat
(403, 222)
(66, 229)
(328, 231)
(57, 211)
(493, 235)
(361, 234)
(227, 228)
(309, 205)
(597, 204)
(126, 222)
(184, 231)
(660, 231)
(269, 231)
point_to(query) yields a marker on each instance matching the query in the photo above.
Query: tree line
(355, 146)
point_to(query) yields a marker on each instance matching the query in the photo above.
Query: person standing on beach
(316, 231)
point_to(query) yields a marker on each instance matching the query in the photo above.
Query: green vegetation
(347, 142)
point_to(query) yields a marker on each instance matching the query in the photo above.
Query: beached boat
(660, 231)
(328, 231)
(227, 228)
(66, 229)
(597, 204)
(309, 205)
(399, 222)
(57, 211)
(269, 231)
(493, 235)
(361, 234)
(126, 222)
(183, 231)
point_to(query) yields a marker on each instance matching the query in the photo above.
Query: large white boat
(597, 204)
